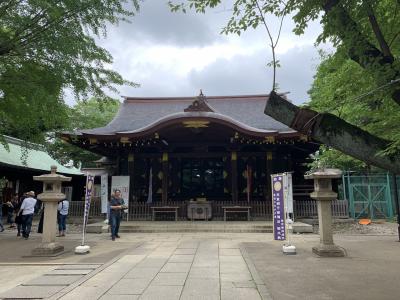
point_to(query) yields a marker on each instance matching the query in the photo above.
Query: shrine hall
(199, 155)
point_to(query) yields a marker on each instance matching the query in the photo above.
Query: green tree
(328, 157)
(366, 37)
(47, 46)
(343, 88)
(29, 109)
(85, 114)
(368, 32)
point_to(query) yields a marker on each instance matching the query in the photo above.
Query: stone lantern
(51, 196)
(324, 194)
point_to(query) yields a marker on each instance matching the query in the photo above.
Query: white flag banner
(104, 193)
(288, 192)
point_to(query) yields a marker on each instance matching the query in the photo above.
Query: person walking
(27, 209)
(62, 214)
(117, 204)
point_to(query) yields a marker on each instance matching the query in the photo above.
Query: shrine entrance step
(196, 226)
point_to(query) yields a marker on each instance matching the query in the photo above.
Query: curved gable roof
(139, 113)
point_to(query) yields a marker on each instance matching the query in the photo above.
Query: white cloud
(173, 54)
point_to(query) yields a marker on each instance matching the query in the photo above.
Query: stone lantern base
(45, 249)
(328, 251)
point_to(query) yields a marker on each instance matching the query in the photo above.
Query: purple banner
(88, 196)
(278, 208)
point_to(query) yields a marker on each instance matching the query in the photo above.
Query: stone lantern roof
(52, 177)
(324, 173)
(52, 185)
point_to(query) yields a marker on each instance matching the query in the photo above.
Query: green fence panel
(369, 196)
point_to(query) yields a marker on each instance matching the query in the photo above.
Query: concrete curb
(261, 287)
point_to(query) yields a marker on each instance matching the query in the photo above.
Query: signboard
(104, 193)
(121, 183)
(278, 207)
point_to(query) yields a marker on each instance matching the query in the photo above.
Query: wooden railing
(261, 210)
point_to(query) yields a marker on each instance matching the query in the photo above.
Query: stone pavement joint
(86, 278)
(49, 283)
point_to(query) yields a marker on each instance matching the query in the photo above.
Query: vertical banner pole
(88, 197)
(83, 249)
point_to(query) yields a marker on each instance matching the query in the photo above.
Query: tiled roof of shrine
(138, 114)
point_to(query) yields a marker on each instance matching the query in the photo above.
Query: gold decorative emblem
(303, 138)
(270, 139)
(124, 140)
(277, 186)
(196, 124)
(92, 141)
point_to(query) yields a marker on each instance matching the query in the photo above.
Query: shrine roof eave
(181, 117)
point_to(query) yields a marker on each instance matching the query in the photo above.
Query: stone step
(185, 226)
(153, 230)
(157, 226)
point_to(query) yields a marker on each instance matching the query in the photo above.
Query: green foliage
(93, 113)
(47, 46)
(84, 115)
(360, 82)
(343, 88)
(31, 104)
(59, 36)
(327, 157)
(368, 32)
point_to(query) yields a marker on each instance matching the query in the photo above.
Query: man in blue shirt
(117, 204)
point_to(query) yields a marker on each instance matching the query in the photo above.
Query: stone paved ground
(155, 266)
(175, 268)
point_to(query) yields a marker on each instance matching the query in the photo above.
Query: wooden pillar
(118, 168)
(269, 170)
(234, 176)
(290, 162)
(164, 196)
(131, 164)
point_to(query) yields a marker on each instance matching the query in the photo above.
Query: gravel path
(378, 228)
(375, 228)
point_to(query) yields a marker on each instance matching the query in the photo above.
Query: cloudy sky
(176, 54)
